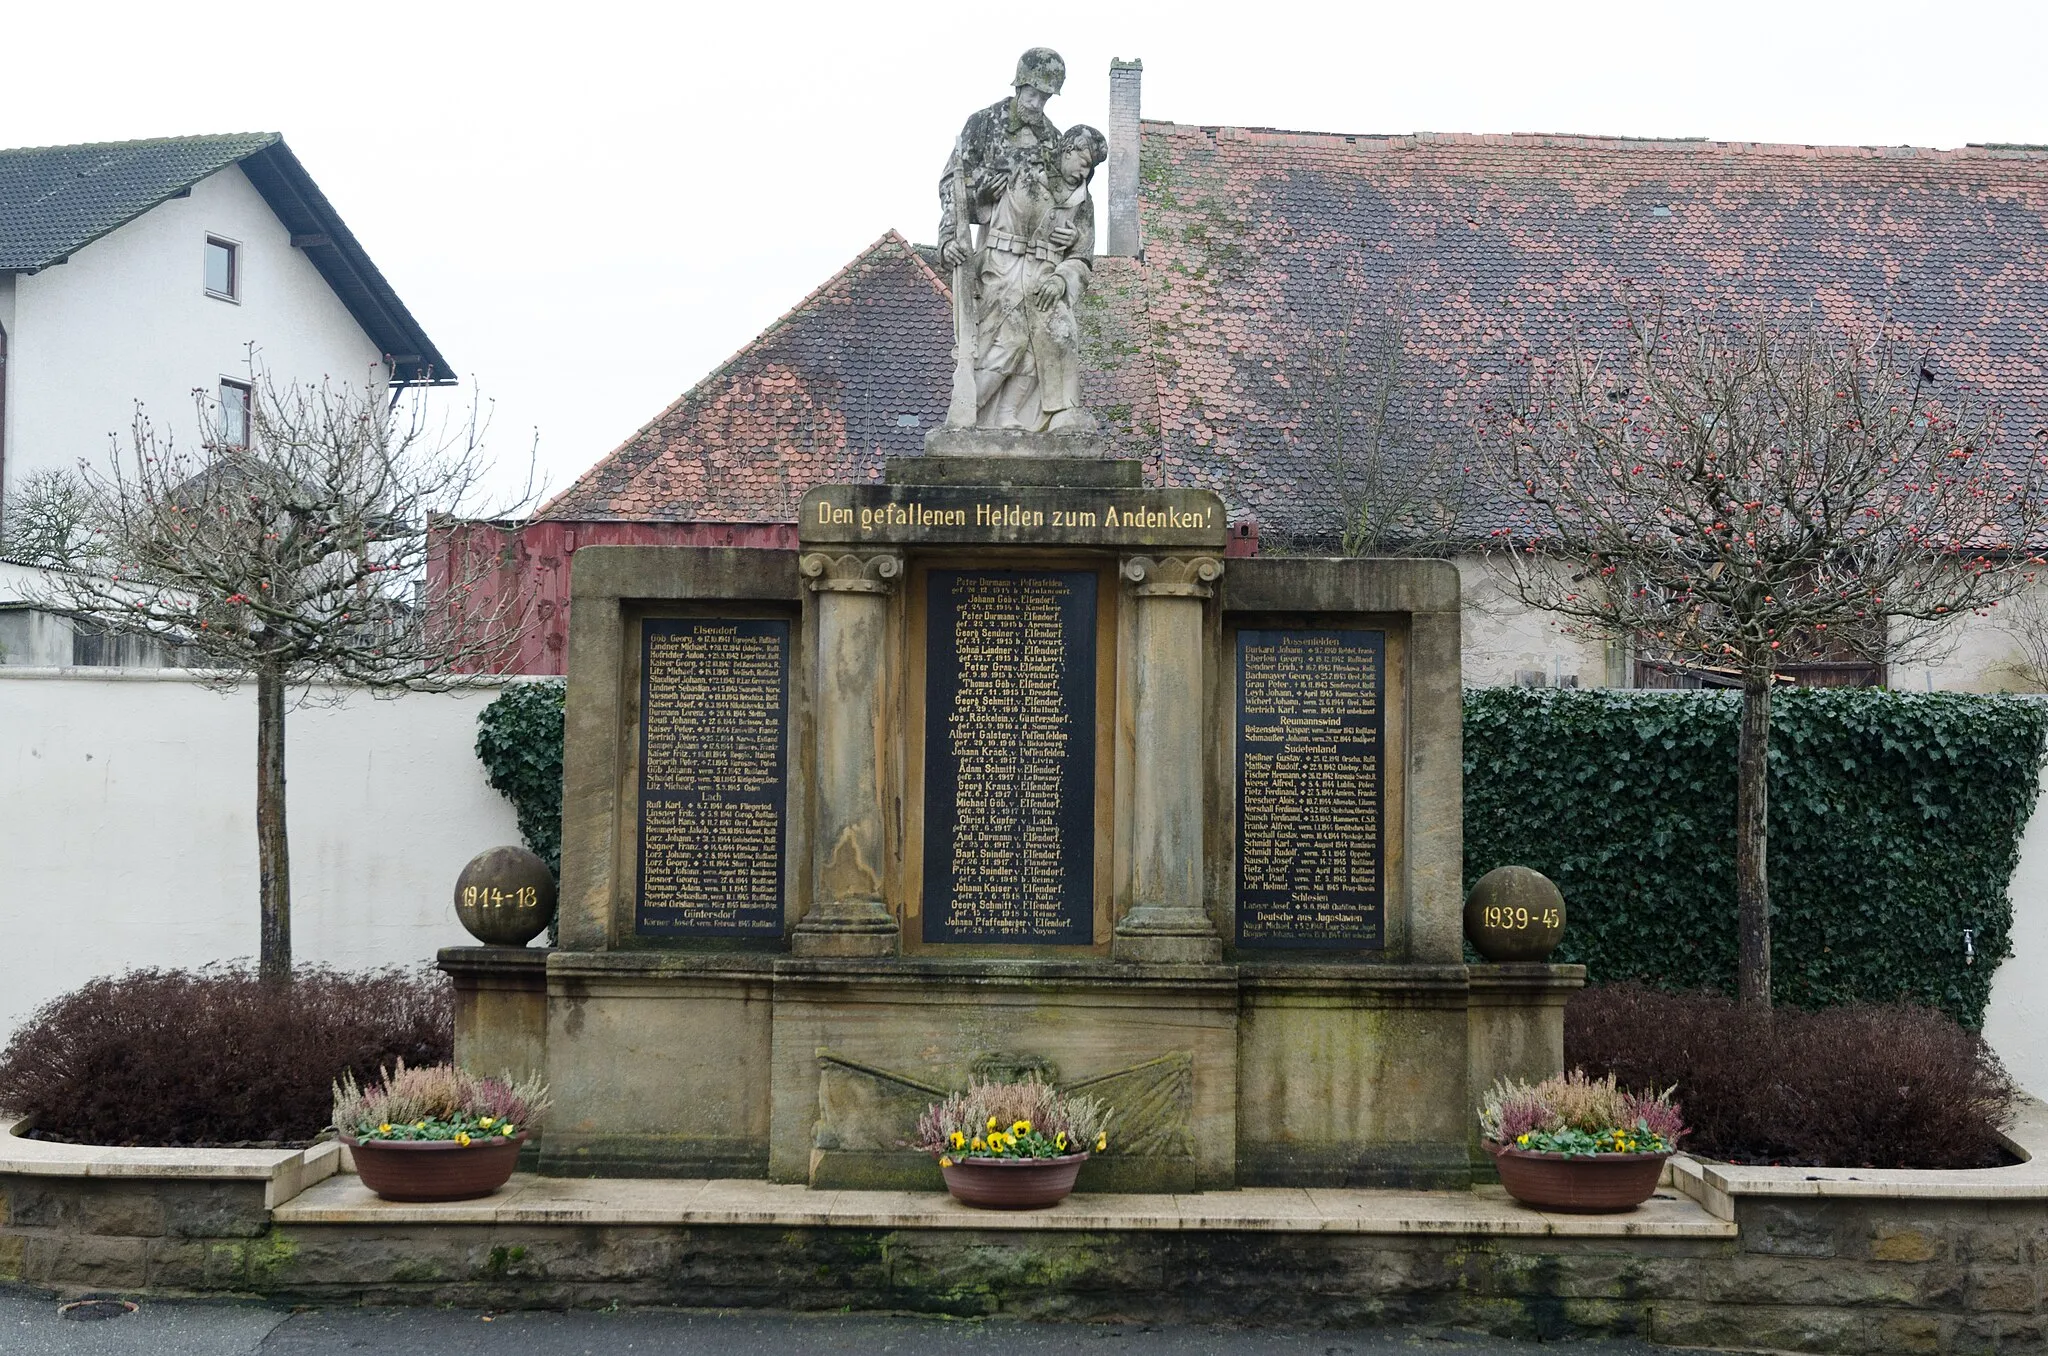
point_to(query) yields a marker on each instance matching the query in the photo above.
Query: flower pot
(1012, 1183)
(434, 1170)
(1586, 1184)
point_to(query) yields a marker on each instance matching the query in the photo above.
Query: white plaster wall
(1978, 653)
(128, 319)
(1503, 637)
(2016, 1022)
(128, 826)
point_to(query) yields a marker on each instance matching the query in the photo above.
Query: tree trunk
(273, 861)
(1752, 842)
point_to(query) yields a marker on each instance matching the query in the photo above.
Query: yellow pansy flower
(977, 1143)
(1059, 1141)
(991, 1122)
(419, 1125)
(462, 1138)
(384, 1129)
(959, 1140)
(487, 1122)
(1021, 1128)
(508, 1129)
(945, 1162)
(1102, 1142)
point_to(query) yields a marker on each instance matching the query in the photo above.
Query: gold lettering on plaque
(711, 777)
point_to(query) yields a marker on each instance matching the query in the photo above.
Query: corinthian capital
(853, 572)
(1173, 576)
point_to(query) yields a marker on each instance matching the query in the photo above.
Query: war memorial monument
(1006, 771)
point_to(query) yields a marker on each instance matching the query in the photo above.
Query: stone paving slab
(531, 1200)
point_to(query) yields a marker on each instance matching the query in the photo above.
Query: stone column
(849, 915)
(1167, 923)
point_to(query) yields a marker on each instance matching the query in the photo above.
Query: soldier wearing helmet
(992, 143)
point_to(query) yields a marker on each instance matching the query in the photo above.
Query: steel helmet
(1042, 69)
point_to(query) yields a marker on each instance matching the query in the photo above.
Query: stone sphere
(505, 897)
(1514, 914)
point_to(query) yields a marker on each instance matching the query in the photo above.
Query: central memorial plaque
(714, 712)
(1009, 794)
(1311, 717)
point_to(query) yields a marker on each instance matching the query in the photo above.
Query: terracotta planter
(1595, 1184)
(1013, 1183)
(434, 1170)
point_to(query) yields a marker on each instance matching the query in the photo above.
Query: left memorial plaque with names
(714, 723)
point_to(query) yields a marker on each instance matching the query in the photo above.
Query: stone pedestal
(1166, 923)
(501, 1008)
(849, 913)
(1515, 1027)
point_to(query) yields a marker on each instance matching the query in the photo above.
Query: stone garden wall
(127, 826)
(1848, 1264)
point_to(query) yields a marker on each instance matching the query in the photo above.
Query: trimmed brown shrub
(213, 1056)
(1862, 1086)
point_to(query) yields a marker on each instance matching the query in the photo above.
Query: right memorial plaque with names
(1311, 720)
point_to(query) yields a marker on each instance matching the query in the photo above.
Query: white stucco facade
(1504, 640)
(128, 826)
(1506, 643)
(128, 319)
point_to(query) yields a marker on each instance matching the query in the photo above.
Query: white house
(145, 271)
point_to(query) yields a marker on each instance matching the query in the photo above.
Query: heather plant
(214, 1056)
(1013, 1120)
(1574, 1114)
(440, 1102)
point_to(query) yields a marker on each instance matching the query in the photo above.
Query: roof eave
(328, 244)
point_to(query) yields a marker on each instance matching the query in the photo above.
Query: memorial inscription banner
(714, 715)
(1310, 730)
(1009, 738)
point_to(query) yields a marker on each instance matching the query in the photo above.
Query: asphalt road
(30, 1326)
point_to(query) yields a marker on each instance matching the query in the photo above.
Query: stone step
(530, 1200)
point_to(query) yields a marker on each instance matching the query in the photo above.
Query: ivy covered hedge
(519, 742)
(1895, 825)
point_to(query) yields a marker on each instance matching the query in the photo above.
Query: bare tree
(292, 550)
(45, 521)
(1399, 490)
(1738, 497)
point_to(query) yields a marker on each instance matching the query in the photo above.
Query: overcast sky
(588, 206)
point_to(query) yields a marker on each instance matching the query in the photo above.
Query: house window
(234, 414)
(223, 269)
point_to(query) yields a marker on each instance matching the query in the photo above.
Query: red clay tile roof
(1260, 244)
(854, 373)
(1492, 246)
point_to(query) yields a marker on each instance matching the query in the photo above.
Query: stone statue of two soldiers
(1018, 278)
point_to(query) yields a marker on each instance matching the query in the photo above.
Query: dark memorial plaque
(1311, 714)
(1009, 740)
(714, 714)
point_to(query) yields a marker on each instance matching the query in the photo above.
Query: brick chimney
(1123, 157)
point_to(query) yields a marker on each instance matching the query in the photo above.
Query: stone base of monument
(1017, 444)
(815, 1071)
